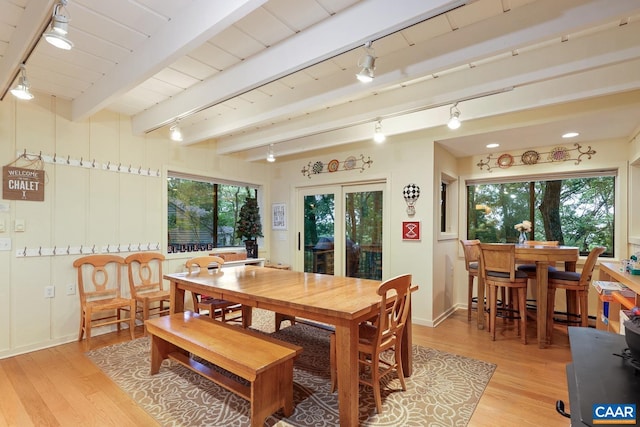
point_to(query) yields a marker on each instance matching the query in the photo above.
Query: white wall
(84, 206)
(447, 293)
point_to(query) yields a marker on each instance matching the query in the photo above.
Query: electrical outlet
(71, 289)
(49, 291)
(5, 244)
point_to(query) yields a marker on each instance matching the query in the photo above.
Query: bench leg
(159, 351)
(271, 391)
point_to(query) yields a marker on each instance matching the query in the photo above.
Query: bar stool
(498, 269)
(577, 287)
(471, 250)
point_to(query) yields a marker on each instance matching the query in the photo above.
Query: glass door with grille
(341, 230)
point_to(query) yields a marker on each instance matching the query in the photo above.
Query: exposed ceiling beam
(498, 35)
(613, 46)
(32, 23)
(365, 21)
(199, 21)
(570, 88)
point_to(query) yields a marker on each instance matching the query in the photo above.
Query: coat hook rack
(69, 161)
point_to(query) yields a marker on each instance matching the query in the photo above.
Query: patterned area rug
(443, 390)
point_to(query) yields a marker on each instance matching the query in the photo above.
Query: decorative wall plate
(317, 167)
(505, 161)
(530, 157)
(350, 163)
(558, 154)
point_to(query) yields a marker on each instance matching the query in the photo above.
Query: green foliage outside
(576, 212)
(193, 218)
(319, 218)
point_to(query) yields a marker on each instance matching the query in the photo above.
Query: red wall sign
(410, 230)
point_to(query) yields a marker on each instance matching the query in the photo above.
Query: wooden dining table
(344, 302)
(542, 256)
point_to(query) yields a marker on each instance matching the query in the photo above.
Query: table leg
(542, 277)
(247, 316)
(347, 370)
(406, 345)
(176, 296)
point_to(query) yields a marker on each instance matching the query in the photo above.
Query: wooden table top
(543, 253)
(320, 294)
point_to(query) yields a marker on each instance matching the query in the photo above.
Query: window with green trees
(202, 212)
(574, 210)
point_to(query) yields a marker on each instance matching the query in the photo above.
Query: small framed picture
(279, 216)
(410, 230)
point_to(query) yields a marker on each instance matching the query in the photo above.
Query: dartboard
(411, 192)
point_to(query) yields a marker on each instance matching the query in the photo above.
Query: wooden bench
(267, 363)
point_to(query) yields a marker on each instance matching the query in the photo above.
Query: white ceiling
(249, 73)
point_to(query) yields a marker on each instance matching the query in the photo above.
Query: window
(448, 207)
(574, 210)
(443, 207)
(202, 212)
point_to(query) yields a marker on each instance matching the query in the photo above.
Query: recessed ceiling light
(493, 145)
(570, 135)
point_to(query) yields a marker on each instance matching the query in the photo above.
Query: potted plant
(249, 226)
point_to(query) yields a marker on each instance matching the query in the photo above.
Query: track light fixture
(270, 156)
(368, 64)
(378, 135)
(454, 117)
(21, 90)
(57, 34)
(175, 133)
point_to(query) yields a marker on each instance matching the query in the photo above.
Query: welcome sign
(22, 184)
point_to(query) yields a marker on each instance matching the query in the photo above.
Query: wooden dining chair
(146, 285)
(471, 249)
(498, 269)
(101, 302)
(576, 286)
(227, 311)
(384, 333)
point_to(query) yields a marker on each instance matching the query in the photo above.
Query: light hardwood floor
(61, 387)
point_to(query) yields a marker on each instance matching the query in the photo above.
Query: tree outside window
(203, 214)
(574, 211)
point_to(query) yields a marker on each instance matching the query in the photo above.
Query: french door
(340, 230)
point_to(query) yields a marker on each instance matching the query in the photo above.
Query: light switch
(2, 230)
(19, 225)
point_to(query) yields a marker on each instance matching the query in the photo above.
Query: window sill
(634, 240)
(447, 236)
